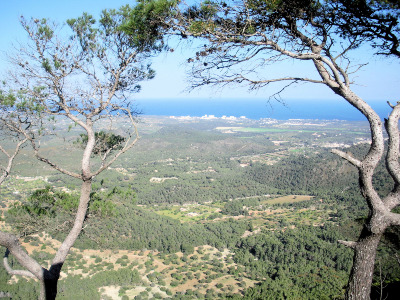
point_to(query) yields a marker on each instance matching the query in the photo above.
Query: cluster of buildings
(209, 117)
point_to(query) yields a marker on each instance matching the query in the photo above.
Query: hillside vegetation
(205, 209)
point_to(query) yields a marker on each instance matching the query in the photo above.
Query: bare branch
(128, 144)
(394, 218)
(347, 156)
(81, 78)
(69, 241)
(349, 244)
(56, 167)
(11, 271)
(392, 158)
(393, 198)
(4, 151)
(14, 247)
(11, 158)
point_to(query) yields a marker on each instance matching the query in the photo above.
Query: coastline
(257, 109)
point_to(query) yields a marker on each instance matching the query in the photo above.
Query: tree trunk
(49, 283)
(48, 289)
(359, 287)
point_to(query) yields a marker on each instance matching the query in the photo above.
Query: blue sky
(380, 80)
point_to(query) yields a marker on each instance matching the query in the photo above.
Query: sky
(379, 80)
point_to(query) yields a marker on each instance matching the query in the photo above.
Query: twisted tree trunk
(361, 275)
(380, 215)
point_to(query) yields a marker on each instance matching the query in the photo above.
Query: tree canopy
(375, 22)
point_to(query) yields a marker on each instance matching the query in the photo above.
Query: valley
(215, 208)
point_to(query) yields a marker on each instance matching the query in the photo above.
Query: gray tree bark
(361, 275)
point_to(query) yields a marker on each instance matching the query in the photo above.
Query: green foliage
(209, 8)
(46, 202)
(100, 205)
(44, 31)
(77, 287)
(83, 27)
(46, 65)
(140, 229)
(233, 208)
(203, 18)
(16, 102)
(296, 263)
(236, 22)
(7, 99)
(304, 262)
(283, 9)
(360, 22)
(187, 248)
(268, 5)
(199, 27)
(145, 23)
(47, 206)
(371, 21)
(41, 209)
(105, 141)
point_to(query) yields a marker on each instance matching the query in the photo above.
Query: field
(289, 199)
(161, 275)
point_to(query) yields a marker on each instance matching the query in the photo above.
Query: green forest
(280, 221)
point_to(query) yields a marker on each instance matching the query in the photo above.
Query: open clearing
(288, 199)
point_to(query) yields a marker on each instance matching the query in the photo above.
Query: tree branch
(11, 158)
(12, 244)
(347, 156)
(393, 198)
(11, 271)
(393, 218)
(392, 157)
(349, 244)
(128, 145)
(55, 166)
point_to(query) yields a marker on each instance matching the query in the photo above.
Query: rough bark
(360, 281)
(361, 277)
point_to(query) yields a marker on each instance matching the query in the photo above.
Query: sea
(260, 108)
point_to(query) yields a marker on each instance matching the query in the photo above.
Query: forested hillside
(206, 209)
